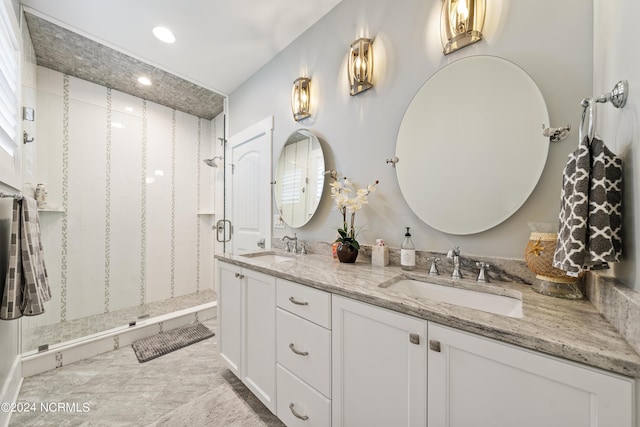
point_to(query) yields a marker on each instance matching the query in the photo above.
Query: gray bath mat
(165, 342)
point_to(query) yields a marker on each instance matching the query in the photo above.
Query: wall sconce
(461, 23)
(300, 98)
(360, 66)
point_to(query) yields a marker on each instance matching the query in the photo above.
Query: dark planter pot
(347, 253)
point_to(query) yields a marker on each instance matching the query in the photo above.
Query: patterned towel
(27, 284)
(11, 307)
(590, 232)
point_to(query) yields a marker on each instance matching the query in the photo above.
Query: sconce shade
(300, 98)
(461, 23)
(360, 66)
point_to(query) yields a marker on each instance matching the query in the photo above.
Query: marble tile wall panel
(125, 202)
(86, 201)
(186, 199)
(159, 203)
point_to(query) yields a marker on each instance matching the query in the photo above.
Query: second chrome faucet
(454, 254)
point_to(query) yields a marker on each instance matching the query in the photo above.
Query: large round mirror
(470, 146)
(299, 178)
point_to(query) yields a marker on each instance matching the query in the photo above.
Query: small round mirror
(299, 178)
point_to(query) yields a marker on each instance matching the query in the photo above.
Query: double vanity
(322, 343)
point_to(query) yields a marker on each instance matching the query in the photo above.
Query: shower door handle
(221, 230)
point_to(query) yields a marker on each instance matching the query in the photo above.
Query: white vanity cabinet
(303, 353)
(247, 328)
(476, 381)
(379, 366)
(335, 361)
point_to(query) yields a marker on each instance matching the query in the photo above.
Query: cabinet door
(379, 366)
(229, 291)
(260, 343)
(475, 381)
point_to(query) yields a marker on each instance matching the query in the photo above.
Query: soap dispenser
(407, 253)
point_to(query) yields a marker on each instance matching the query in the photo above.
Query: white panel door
(250, 190)
(475, 381)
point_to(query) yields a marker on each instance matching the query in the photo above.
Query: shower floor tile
(78, 328)
(113, 389)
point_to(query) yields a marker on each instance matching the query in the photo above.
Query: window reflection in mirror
(299, 178)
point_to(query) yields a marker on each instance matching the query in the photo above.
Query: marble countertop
(572, 330)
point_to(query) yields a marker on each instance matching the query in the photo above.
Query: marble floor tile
(190, 386)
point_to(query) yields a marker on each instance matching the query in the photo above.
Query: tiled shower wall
(126, 185)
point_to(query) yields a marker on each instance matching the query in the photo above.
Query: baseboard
(72, 351)
(10, 390)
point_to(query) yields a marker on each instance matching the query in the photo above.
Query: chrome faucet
(483, 277)
(295, 242)
(454, 254)
(434, 266)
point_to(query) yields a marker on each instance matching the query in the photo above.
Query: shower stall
(127, 228)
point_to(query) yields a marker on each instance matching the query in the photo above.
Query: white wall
(550, 40)
(615, 57)
(128, 178)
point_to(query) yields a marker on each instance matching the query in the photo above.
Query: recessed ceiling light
(144, 81)
(164, 34)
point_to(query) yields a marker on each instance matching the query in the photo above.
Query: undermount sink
(269, 256)
(492, 303)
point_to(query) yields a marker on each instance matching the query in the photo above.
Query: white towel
(590, 231)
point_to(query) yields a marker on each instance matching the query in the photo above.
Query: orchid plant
(348, 201)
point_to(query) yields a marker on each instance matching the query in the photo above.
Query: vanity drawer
(295, 397)
(304, 348)
(306, 302)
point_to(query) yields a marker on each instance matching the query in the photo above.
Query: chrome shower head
(212, 161)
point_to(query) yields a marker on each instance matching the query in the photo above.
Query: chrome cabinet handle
(293, 300)
(298, 352)
(434, 345)
(239, 276)
(297, 415)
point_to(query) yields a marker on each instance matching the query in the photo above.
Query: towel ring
(617, 97)
(588, 116)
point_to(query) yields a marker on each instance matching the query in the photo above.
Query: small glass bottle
(407, 253)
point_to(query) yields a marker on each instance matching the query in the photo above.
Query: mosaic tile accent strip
(65, 199)
(143, 204)
(173, 204)
(116, 342)
(59, 359)
(199, 162)
(107, 209)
